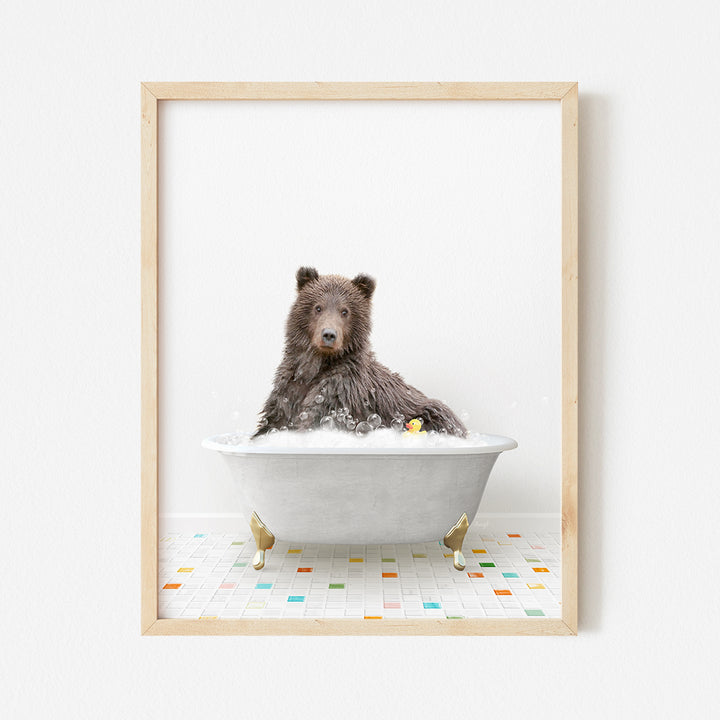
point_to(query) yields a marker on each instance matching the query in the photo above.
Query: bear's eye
(318, 308)
(344, 312)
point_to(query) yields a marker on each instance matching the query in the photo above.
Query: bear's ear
(365, 284)
(305, 275)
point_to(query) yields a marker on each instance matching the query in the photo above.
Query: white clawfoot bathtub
(360, 495)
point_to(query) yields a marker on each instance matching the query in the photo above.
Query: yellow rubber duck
(413, 427)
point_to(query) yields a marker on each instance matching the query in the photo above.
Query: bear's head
(331, 314)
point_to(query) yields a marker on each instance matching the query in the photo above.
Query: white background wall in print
(454, 208)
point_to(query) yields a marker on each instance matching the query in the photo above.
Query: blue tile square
(431, 606)
(263, 586)
(296, 598)
(201, 535)
(510, 575)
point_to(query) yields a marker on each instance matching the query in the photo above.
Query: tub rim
(496, 444)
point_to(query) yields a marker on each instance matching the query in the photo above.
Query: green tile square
(535, 613)
(337, 586)
(487, 564)
(388, 559)
(532, 560)
(238, 542)
(244, 564)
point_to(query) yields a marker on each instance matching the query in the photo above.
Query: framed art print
(359, 358)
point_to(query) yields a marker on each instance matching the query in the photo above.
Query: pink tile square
(391, 605)
(228, 586)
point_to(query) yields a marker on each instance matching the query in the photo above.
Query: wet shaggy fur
(327, 353)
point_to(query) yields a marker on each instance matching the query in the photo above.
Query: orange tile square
(172, 586)
(541, 570)
(513, 535)
(389, 575)
(373, 617)
(475, 574)
(304, 569)
(503, 592)
(356, 560)
(479, 551)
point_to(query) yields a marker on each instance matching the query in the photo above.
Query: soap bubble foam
(363, 429)
(380, 438)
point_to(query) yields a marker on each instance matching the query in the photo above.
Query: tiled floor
(508, 575)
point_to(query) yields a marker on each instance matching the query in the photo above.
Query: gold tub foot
(454, 540)
(264, 540)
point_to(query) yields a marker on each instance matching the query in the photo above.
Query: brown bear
(328, 367)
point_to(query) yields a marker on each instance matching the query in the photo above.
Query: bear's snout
(329, 337)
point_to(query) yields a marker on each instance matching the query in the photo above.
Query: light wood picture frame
(154, 93)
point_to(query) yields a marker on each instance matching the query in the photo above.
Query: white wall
(454, 208)
(69, 258)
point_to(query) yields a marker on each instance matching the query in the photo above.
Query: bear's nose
(329, 336)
